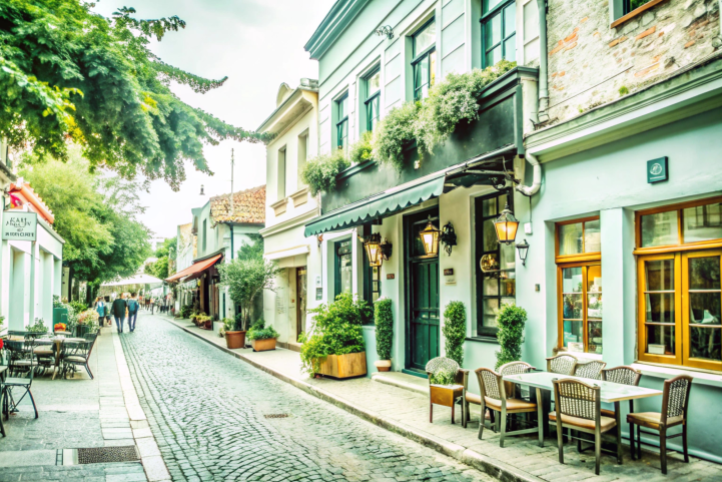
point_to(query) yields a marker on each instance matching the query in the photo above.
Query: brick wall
(591, 64)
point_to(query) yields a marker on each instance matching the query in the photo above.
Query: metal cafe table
(609, 392)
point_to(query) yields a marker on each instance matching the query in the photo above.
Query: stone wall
(591, 64)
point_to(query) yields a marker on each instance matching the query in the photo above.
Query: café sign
(20, 226)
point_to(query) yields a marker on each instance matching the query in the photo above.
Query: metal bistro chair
(562, 364)
(21, 357)
(675, 403)
(45, 353)
(623, 375)
(493, 397)
(77, 353)
(19, 379)
(579, 408)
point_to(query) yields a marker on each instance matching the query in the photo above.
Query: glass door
(581, 307)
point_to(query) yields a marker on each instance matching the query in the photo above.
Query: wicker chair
(579, 408)
(675, 403)
(562, 364)
(589, 369)
(623, 375)
(493, 397)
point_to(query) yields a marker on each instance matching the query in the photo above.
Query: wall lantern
(377, 250)
(523, 249)
(448, 237)
(506, 226)
(430, 239)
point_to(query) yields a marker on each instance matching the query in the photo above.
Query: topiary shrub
(320, 173)
(454, 330)
(384, 320)
(510, 321)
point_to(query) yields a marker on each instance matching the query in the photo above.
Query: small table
(445, 395)
(58, 342)
(609, 392)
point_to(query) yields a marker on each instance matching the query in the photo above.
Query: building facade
(289, 205)
(603, 142)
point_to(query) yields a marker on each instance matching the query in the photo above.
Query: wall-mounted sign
(391, 276)
(657, 170)
(319, 294)
(449, 277)
(20, 226)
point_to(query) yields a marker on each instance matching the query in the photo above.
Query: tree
(165, 252)
(66, 72)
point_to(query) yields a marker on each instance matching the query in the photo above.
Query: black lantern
(523, 249)
(448, 237)
(506, 226)
(430, 239)
(373, 250)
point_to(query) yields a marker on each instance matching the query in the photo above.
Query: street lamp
(430, 239)
(506, 226)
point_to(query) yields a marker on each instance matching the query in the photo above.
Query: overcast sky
(258, 45)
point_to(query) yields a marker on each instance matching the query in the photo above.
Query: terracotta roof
(27, 195)
(249, 207)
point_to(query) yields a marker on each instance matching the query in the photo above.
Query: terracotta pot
(264, 345)
(235, 339)
(383, 365)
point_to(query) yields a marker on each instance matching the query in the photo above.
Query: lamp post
(430, 239)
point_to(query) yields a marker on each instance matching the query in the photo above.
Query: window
(498, 31)
(344, 268)
(302, 157)
(373, 99)
(424, 62)
(205, 234)
(679, 263)
(631, 5)
(281, 179)
(579, 285)
(342, 122)
(496, 275)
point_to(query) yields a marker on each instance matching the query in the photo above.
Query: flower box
(344, 366)
(264, 345)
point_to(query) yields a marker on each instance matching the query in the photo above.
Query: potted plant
(262, 338)
(186, 311)
(38, 327)
(510, 321)
(204, 321)
(336, 346)
(235, 337)
(384, 320)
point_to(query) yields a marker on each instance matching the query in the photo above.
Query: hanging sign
(657, 170)
(20, 226)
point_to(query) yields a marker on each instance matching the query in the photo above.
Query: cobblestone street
(212, 416)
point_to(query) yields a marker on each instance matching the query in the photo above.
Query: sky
(258, 45)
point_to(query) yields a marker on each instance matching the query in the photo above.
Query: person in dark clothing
(133, 307)
(119, 308)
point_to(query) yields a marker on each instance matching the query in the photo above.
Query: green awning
(379, 205)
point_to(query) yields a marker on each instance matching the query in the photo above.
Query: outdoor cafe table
(610, 392)
(58, 341)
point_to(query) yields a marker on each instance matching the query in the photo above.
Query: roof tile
(249, 207)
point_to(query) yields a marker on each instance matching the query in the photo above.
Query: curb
(502, 471)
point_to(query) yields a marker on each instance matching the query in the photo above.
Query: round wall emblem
(656, 169)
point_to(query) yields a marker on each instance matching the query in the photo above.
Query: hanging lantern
(523, 249)
(506, 226)
(430, 239)
(373, 250)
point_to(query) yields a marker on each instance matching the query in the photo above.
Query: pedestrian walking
(152, 305)
(106, 318)
(120, 306)
(99, 308)
(133, 307)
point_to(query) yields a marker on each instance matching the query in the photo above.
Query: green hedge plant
(319, 173)
(510, 322)
(442, 377)
(384, 320)
(454, 331)
(337, 331)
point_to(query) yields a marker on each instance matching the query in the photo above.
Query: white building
(289, 206)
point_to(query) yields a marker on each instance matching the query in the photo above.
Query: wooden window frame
(585, 300)
(681, 246)
(575, 258)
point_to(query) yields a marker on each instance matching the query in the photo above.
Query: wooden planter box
(344, 366)
(264, 345)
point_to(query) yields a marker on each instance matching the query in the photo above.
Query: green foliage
(395, 133)
(66, 72)
(319, 174)
(253, 250)
(362, 151)
(510, 321)
(442, 377)
(78, 306)
(186, 311)
(337, 331)
(259, 331)
(454, 330)
(384, 319)
(38, 326)
(430, 121)
(165, 252)
(623, 90)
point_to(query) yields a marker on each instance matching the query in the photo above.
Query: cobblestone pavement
(209, 414)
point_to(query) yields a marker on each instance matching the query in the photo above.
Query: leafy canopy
(165, 252)
(66, 72)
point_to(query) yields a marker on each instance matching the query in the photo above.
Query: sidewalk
(406, 410)
(80, 413)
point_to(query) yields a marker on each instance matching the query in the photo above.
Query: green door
(422, 291)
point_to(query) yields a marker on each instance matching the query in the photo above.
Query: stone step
(402, 380)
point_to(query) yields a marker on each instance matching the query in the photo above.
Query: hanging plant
(320, 173)
(362, 151)
(394, 133)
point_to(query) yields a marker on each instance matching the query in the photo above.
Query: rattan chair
(511, 368)
(591, 369)
(623, 375)
(563, 364)
(493, 397)
(579, 408)
(675, 403)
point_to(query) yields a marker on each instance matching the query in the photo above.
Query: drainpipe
(536, 181)
(543, 62)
